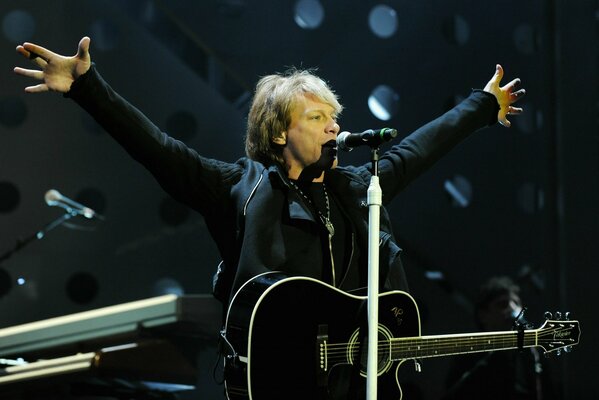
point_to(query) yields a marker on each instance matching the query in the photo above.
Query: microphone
(517, 316)
(371, 137)
(54, 198)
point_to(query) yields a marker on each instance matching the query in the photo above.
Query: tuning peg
(558, 315)
(567, 315)
(548, 315)
(568, 349)
(558, 352)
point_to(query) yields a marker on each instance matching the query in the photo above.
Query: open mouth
(331, 144)
(330, 149)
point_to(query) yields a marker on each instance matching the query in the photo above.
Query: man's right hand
(57, 72)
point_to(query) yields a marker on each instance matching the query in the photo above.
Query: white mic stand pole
(375, 201)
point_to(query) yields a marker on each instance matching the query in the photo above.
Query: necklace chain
(326, 220)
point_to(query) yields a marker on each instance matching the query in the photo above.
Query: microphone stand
(39, 234)
(375, 201)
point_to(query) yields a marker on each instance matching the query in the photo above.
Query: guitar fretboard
(442, 345)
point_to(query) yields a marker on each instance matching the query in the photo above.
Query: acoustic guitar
(295, 337)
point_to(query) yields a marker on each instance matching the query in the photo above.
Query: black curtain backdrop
(520, 202)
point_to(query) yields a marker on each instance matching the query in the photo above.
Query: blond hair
(270, 112)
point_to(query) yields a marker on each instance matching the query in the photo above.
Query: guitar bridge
(321, 354)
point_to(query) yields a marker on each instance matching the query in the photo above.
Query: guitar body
(279, 328)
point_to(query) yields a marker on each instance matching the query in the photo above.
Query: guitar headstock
(558, 334)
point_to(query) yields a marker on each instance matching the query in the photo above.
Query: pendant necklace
(326, 220)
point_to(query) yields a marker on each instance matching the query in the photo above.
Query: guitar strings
(385, 345)
(423, 347)
(504, 336)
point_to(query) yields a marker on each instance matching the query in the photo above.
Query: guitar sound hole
(382, 359)
(356, 348)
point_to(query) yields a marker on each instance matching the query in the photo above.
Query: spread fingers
(30, 73)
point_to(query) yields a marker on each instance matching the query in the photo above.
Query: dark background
(527, 202)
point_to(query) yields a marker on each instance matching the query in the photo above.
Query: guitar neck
(444, 345)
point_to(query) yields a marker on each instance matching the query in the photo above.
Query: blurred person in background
(500, 375)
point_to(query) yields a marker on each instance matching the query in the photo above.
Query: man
(505, 375)
(287, 206)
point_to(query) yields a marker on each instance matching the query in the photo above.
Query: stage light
(168, 286)
(309, 14)
(456, 30)
(459, 190)
(525, 39)
(531, 198)
(383, 21)
(434, 275)
(383, 102)
(18, 26)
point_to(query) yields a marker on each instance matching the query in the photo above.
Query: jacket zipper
(247, 202)
(332, 259)
(351, 256)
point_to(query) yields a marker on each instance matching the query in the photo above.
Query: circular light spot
(168, 286)
(181, 125)
(105, 33)
(82, 287)
(459, 190)
(13, 111)
(92, 198)
(172, 212)
(18, 26)
(525, 39)
(456, 30)
(383, 102)
(383, 21)
(531, 198)
(308, 14)
(10, 197)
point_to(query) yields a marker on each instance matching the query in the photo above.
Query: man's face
(310, 139)
(499, 315)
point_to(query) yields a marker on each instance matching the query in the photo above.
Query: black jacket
(257, 222)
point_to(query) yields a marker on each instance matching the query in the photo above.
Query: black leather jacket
(259, 224)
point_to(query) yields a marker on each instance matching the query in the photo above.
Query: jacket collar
(338, 179)
(297, 207)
